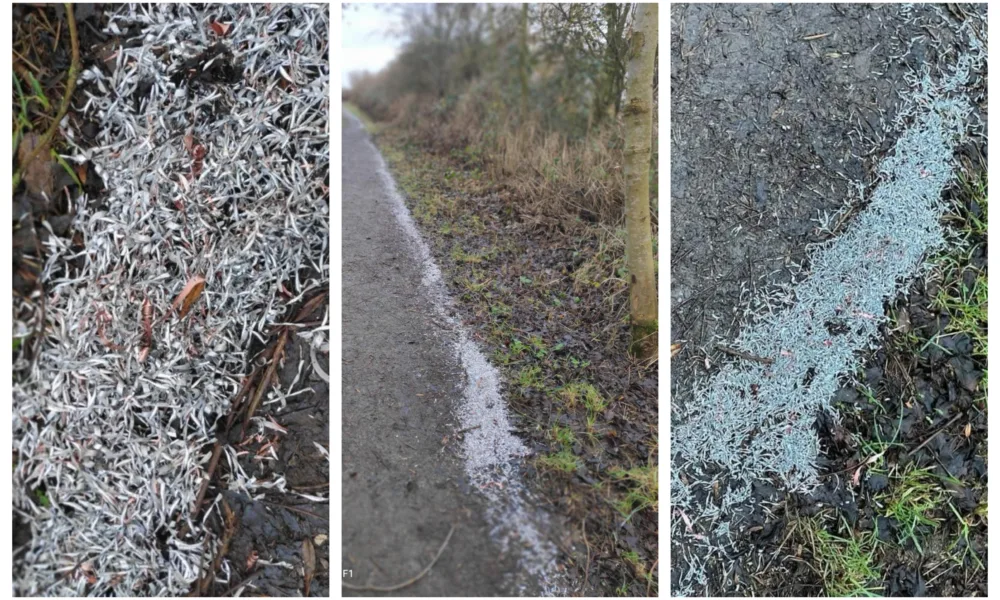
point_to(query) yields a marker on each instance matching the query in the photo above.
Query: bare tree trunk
(607, 97)
(638, 135)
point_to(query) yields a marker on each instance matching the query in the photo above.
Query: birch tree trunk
(638, 135)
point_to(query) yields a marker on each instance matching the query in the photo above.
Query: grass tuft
(847, 563)
(563, 461)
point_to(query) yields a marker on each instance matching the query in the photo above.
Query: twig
(933, 435)
(649, 582)
(245, 581)
(586, 571)
(744, 355)
(227, 537)
(299, 488)
(40, 327)
(212, 464)
(298, 510)
(408, 582)
(460, 432)
(269, 375)
(74, 70)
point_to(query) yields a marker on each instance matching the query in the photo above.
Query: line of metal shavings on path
(492, 454)
(753, 420)
(224, 180)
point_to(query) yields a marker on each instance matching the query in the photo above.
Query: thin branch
(408, 582)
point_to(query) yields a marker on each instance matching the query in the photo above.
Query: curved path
(403, 488)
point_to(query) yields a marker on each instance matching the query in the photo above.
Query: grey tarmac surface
(403, 489)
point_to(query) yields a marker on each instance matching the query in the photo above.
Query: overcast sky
(367, 41)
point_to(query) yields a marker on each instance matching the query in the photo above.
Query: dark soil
(274, 528)
(548, 303)
(769, 130)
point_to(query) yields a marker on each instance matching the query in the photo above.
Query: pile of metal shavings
(214, 149)
(753, 421)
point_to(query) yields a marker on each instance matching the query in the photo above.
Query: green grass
(575, 393)
(538, 346)
(638, 565)
(961, 550)
(530, 377)
(966, 306)
(500, 309)
(914, 502)
(563, 436)
(459, 255)
(847, 563)
(563, 461)
(963, 293)
(643, 483)
(475, 285)
(355, 110)
(429, 204)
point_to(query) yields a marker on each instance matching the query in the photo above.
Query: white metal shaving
(109, 449)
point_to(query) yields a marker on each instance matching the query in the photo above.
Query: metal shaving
(754, 422)
(224, 180)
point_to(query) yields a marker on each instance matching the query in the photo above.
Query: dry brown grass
(547, 174)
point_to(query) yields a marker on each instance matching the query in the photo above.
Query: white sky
(368, 43)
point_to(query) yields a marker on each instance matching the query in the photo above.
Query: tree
(612, 77)
(522, 63)
(638, 138)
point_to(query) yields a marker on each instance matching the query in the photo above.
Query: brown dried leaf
(188, 296)
(38, 175)
(251, 561)
(147, 322)
(308, 562)
(220, 29)
(968, 429)
(675, 349)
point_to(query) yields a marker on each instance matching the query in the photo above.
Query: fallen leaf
(38, 174)
(320, 539)
(188, 296)
(308, 562)
(220, 29)
(968, 429)
(251, 561)
(147, 323)
(675, 349)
